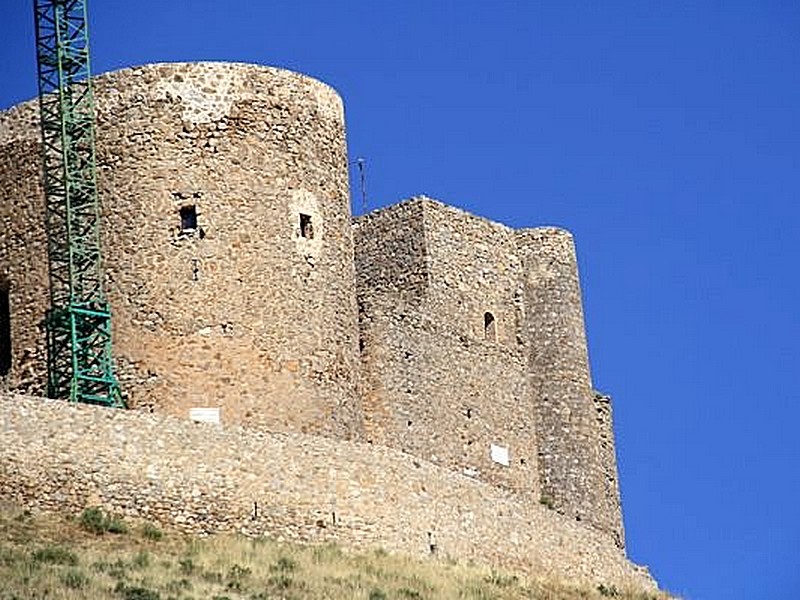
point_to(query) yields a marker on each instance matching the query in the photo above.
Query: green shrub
(236, 577)
(8, 557)
(547, 501)
(94, 520)
(179, 584)
(377, 594)
(75, 579)
(135, 592)
(211, 576)
(239, 572)
(116, 570)
(610, 590)
(115, 524)
(141, 560)
(282, 581)
(151, 532)
(284, 565)
(55, 555)
(186, 565)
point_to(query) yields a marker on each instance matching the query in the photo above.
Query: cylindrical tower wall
(560, 381)
(23, 251)
(227, 242)
(611, 507)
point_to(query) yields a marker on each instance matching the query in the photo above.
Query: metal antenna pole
(78, 323)
(362, 171)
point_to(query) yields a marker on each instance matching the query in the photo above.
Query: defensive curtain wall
(203, 478)
(236, 288)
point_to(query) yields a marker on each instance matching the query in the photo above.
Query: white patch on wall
(471, 472)
(206, 94)
(499, 454)
(204, 415)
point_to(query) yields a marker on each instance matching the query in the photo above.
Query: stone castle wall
(570, 464)
(478, 343)
(243, 310)
(63, 457)
(609, 504)
(235, 284)
(23, 249)
(437, 384)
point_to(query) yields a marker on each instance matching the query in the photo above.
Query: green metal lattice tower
(79, 363)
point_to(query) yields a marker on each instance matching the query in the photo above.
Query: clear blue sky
(665, 135)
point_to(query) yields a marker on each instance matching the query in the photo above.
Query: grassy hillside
(98, 557)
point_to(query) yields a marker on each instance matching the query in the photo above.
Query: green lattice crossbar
(78, 323)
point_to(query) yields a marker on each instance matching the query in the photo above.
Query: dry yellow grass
(49, 557)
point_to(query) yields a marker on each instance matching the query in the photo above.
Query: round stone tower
(226, 239)
(570, 469)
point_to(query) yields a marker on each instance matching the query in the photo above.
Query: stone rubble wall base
(201, 478)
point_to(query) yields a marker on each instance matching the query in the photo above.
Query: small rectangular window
(188, 218)
(489, 327)
(306, 227)
(5, 330)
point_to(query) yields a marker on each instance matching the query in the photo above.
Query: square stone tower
(474, 355)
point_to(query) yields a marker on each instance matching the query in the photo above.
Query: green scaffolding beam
(80, 366)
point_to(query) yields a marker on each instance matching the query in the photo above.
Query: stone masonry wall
(22, 235)
(64, 457)
(611, 505)
(233, 282)
(436, 385)
(570, 467)
(472, 341)
(252, 308)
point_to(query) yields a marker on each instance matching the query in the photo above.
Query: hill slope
(102, 558)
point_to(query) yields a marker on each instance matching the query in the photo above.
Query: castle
(242, 290)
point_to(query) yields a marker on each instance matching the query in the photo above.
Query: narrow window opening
(5, 329)
(431, 544)
(306, 227)
(188, 218)
(489, 327)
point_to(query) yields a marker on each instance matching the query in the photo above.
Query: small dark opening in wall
(188, 217)
(431, 543)
(489, 327)
(306, 227)
(5, 329)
